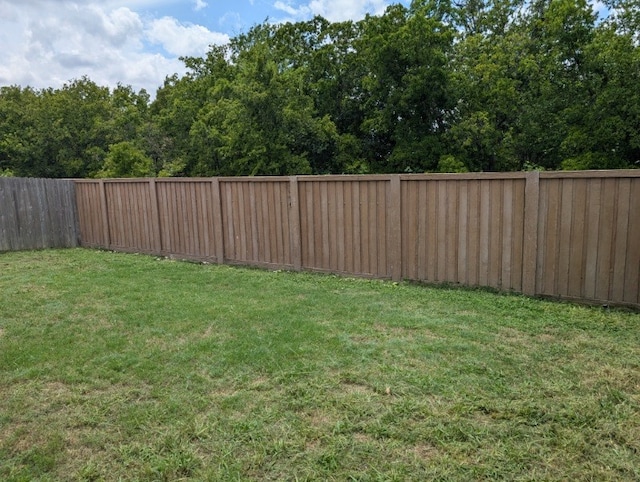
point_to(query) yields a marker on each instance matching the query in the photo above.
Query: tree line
(439, 86)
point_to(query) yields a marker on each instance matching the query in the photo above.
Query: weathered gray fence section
(37, 213)
(573, 235)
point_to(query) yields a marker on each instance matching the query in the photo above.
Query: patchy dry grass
(125, 367)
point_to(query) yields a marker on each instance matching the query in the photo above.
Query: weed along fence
(572, 235)
(37, 213)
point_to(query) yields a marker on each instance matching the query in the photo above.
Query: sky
(47, 43)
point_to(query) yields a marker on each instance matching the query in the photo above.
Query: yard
(130, 367)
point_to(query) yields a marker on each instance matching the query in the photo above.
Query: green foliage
(66, 132)
(405, 90)
(449, 163)
(497, 85)
(126, 160)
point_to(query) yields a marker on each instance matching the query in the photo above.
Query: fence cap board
(590, 174)
(462, 176)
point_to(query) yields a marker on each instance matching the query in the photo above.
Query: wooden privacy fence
(572, 235)
(37, 213)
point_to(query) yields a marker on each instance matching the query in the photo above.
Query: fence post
(105, 214)
(155, 217)
(395, 228)
(294, 224)
(218, 228)
(530, 248)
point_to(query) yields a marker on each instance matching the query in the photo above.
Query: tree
(261, 122)
(604, 129)
(406, 90)
(66, 132)
(17, 107)
(124, 159)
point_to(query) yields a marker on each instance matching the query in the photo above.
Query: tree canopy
(439, 86)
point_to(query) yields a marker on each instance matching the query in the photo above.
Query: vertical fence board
(172, 207)
(217, 226)
(410, 223)
(463, 233)
(365, 227)
(323, 225)
(552, 240)
(507, 233)
(485, 241)
(620, 248)
(495, 234)
(393, 229)
(518, 236)
(372, 224)
(577, 241)
(228, 220)
(593, 227)
(473, 258)
(348, 227)
(268, 251)
(306, 233)
(289, 236)
(250, 208)
(440, 206)
(181, 219)
(605, 239)
(564, 238)
(340, 228)
(422, 230)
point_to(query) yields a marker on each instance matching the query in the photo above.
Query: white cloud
(299, 12)
(179, 39)
(46, 43)
(339, 10)
(332, 10)
(199, 5)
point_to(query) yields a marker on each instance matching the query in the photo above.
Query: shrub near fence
(37, 213)
(572, 235)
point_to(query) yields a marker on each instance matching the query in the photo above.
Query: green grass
(126, 367)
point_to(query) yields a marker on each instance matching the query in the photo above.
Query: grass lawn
(126, 367)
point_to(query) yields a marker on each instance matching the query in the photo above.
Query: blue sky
(46, 43)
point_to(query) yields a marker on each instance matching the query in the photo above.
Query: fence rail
(572, 235)
(37, 213)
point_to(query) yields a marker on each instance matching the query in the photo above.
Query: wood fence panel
(186, 218)
(344, 225)
(590, 228)
(37, 213)
(464, 231)
(256, 221)
(128, 213)
(90, 216)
